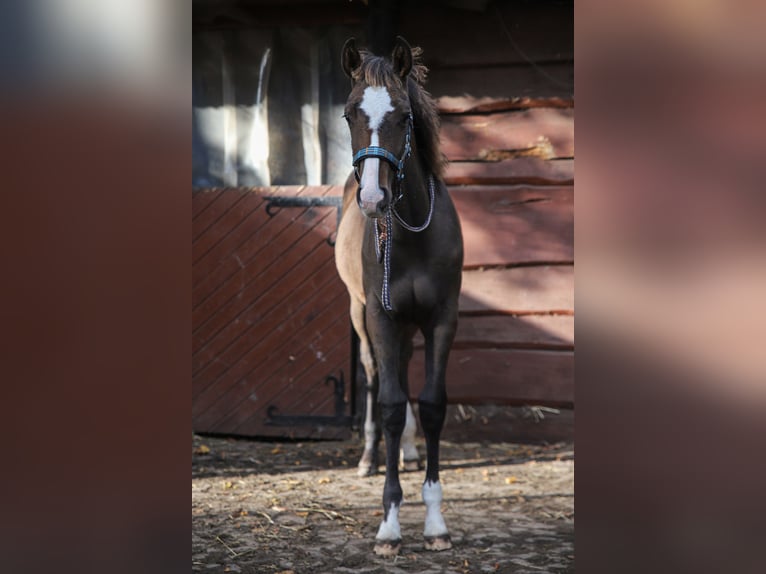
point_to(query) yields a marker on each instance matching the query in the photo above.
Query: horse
(399, 252)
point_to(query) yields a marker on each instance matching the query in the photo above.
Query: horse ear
(350, 58)
(401, 57)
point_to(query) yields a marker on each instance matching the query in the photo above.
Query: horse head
(380, 121)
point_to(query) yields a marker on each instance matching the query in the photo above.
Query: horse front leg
(385, 337)
(432, 403)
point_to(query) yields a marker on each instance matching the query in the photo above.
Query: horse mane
(378, 71)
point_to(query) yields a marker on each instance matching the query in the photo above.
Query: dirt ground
(299, 508)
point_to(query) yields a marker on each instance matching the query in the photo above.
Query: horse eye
(346, 117)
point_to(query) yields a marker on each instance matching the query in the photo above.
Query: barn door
(271, 343)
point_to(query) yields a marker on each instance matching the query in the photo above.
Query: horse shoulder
(348, 252)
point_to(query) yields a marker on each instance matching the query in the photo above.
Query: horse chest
(415, 293)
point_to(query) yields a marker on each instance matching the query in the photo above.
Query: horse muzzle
(373, 202)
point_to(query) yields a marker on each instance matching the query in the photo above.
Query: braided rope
(386, 291)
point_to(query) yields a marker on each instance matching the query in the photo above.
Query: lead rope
(385, 290)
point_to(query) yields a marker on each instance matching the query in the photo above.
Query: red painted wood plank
(306, 386)
(335, 354)
(210, 276)
(259, 300)
(520, 290)
(228, 249)
(251, 351)
(483, 104)
(552, 332)
(255, 278)
(544, 81)
(523, 170)
(504, 376)
(233, 345)
(204, 266)
(232, 221)
(202, 198)
(547, 133)
(287, 349)
(218, 207)
(513, 225)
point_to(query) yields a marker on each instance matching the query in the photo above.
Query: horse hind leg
(409, 459)
(368, 463)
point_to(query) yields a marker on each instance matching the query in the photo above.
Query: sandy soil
(299, 508)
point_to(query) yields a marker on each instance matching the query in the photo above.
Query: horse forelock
(377, 71)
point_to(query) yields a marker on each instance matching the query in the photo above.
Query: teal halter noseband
(383, 153)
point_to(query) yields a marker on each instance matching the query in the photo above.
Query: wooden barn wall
(503, 80)
(269, 313)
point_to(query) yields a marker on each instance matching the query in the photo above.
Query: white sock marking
(432, 496)
(389, 528)
(376, 103)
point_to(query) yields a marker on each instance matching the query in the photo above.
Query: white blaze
(376, 103)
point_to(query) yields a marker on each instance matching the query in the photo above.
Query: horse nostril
(371, 208)
(384, 203)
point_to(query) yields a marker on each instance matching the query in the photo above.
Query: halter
(383, 153)
(383, 244)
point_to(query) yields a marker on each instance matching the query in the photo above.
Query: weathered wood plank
(546, 133)
(552, 332)
(482, 104)
(542, 81)
(258, 275)
(512, 225)
(258, 379)
(307, 394)
(219, 275)
(235, 222)
(256, 301)
(454, 37)
(201, 198)
(523, 170)
(519, 290)
(248, 353)
(217, 208)
(503, 376)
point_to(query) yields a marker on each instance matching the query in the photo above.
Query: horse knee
(394, 417)
(432, 415)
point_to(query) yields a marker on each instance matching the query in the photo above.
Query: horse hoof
(438, 543)
(388, 547)
(411, 465)
(364, 470)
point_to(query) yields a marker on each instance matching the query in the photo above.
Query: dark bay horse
(399, 250)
